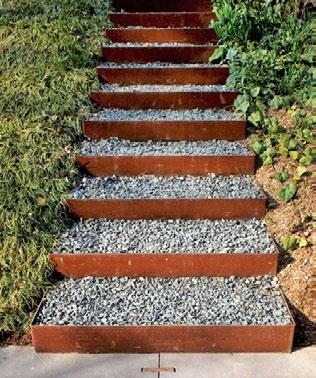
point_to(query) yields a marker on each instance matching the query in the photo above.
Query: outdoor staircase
(194, 268)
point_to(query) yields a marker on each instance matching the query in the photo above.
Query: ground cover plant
(48, 52)
(268, 47)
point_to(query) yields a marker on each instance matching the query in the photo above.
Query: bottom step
(105, 315)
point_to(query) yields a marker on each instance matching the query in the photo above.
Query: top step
(162, 5)
(163, 19)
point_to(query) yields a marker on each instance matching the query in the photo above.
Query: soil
(295, 266)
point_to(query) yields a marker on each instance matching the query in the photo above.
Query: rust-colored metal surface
(163, 20)
(166, 130)
(165, 264)
(161, 35)
(168, 208)
(164, 100)
(165, 75)
(162, 5)
(167, 165)
(154, 339)
(176, 54)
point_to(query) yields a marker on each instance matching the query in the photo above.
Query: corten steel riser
(163, 20)
(79, 265)
(164, 100)
(176, 54)
(197, 36)
(162, 5)
(167, 165)
(167, 208)
(165, 130)
(165, 75)
(155, 339)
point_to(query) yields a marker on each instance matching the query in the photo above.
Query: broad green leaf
(288, 192)
(301, 170)
(292, 144)
(288, 242)
(302, 242)
(294, 155)
(257, 147)
(283, 151)
(255, 118)
(217, 54)
(306, 160)
(242, 103)
(255, 91)
(282, 176)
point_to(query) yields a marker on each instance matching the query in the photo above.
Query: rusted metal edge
(153, 339)
(165, 100)
(170, 54)
(166, 130)
(162, 6)
(79, 265)
(165, 165)
(161, 35)
(162, 19)
(164, 75)
(168, 208)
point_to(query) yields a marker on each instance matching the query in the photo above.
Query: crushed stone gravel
(165, 88)
(166, 236)
(148, 186)
(165, 301)
(120, 147)
(148, 44)
(163, 114)
(160, 65)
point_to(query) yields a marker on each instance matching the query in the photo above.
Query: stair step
(172, 53)
(152, 197)
(172, 248)
(165, 96)
(150, 124)
(161, 35)
(163, 19)
(160, 73)
(162, 5)
(200, 314)
(127, 158)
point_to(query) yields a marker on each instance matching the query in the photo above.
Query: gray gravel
(147, 44)
(161, 64)
(165, 301)
(163, 114)
(116, 146)
(166, 88)
(166, 236)
(123, 187)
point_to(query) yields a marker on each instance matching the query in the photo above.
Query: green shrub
(268, 46)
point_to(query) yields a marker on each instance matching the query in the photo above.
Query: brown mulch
(295, 266)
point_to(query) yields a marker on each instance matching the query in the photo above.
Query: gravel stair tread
(120, 147)
(165, 88)
(163, 114)
(169, 236)
(165, 301)
(156, 44)
(155, 187)
(161, 65)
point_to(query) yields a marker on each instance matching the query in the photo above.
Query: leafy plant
(287, 192)
(282, 176)
(288, 242)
